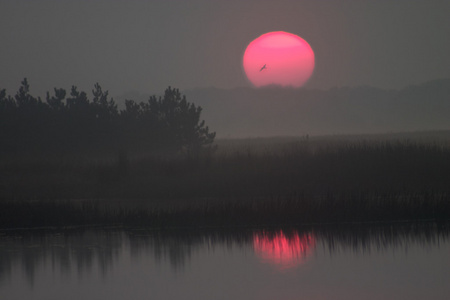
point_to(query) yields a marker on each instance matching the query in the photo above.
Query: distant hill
(274, 111)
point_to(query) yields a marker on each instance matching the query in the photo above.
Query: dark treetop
(66, 123)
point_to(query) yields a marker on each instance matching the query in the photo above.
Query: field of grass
(249, 182)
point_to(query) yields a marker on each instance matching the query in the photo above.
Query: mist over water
(275, 111)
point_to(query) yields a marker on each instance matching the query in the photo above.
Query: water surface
(352, 262)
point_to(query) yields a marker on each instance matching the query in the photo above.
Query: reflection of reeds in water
(65, 250)
(84, 249)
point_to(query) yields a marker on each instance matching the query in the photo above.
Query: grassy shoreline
(226, 214)
(245, 183)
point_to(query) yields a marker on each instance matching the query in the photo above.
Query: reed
(244, 183)
(358, 208)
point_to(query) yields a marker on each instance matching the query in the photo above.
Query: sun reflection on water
(283, 251)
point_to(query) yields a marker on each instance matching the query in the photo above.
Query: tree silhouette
(23, 98)
(104, 108)
(164, 124)
(56, 102)
(179, 121)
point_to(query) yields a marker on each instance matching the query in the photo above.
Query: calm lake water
(351, 262)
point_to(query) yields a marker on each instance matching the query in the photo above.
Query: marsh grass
(250, 182)
(345, 209)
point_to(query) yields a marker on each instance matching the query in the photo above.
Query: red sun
(278, 58)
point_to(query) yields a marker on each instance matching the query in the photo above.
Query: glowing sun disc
(278, 58)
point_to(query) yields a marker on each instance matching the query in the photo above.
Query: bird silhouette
(263, 68)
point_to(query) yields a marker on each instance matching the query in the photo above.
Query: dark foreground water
(335, 262)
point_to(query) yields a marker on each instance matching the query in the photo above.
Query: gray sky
(147, 45)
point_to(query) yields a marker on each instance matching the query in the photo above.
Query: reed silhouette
(307, 181)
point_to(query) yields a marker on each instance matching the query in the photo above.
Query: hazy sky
(147, 45)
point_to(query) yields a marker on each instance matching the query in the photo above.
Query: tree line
(66, 122)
